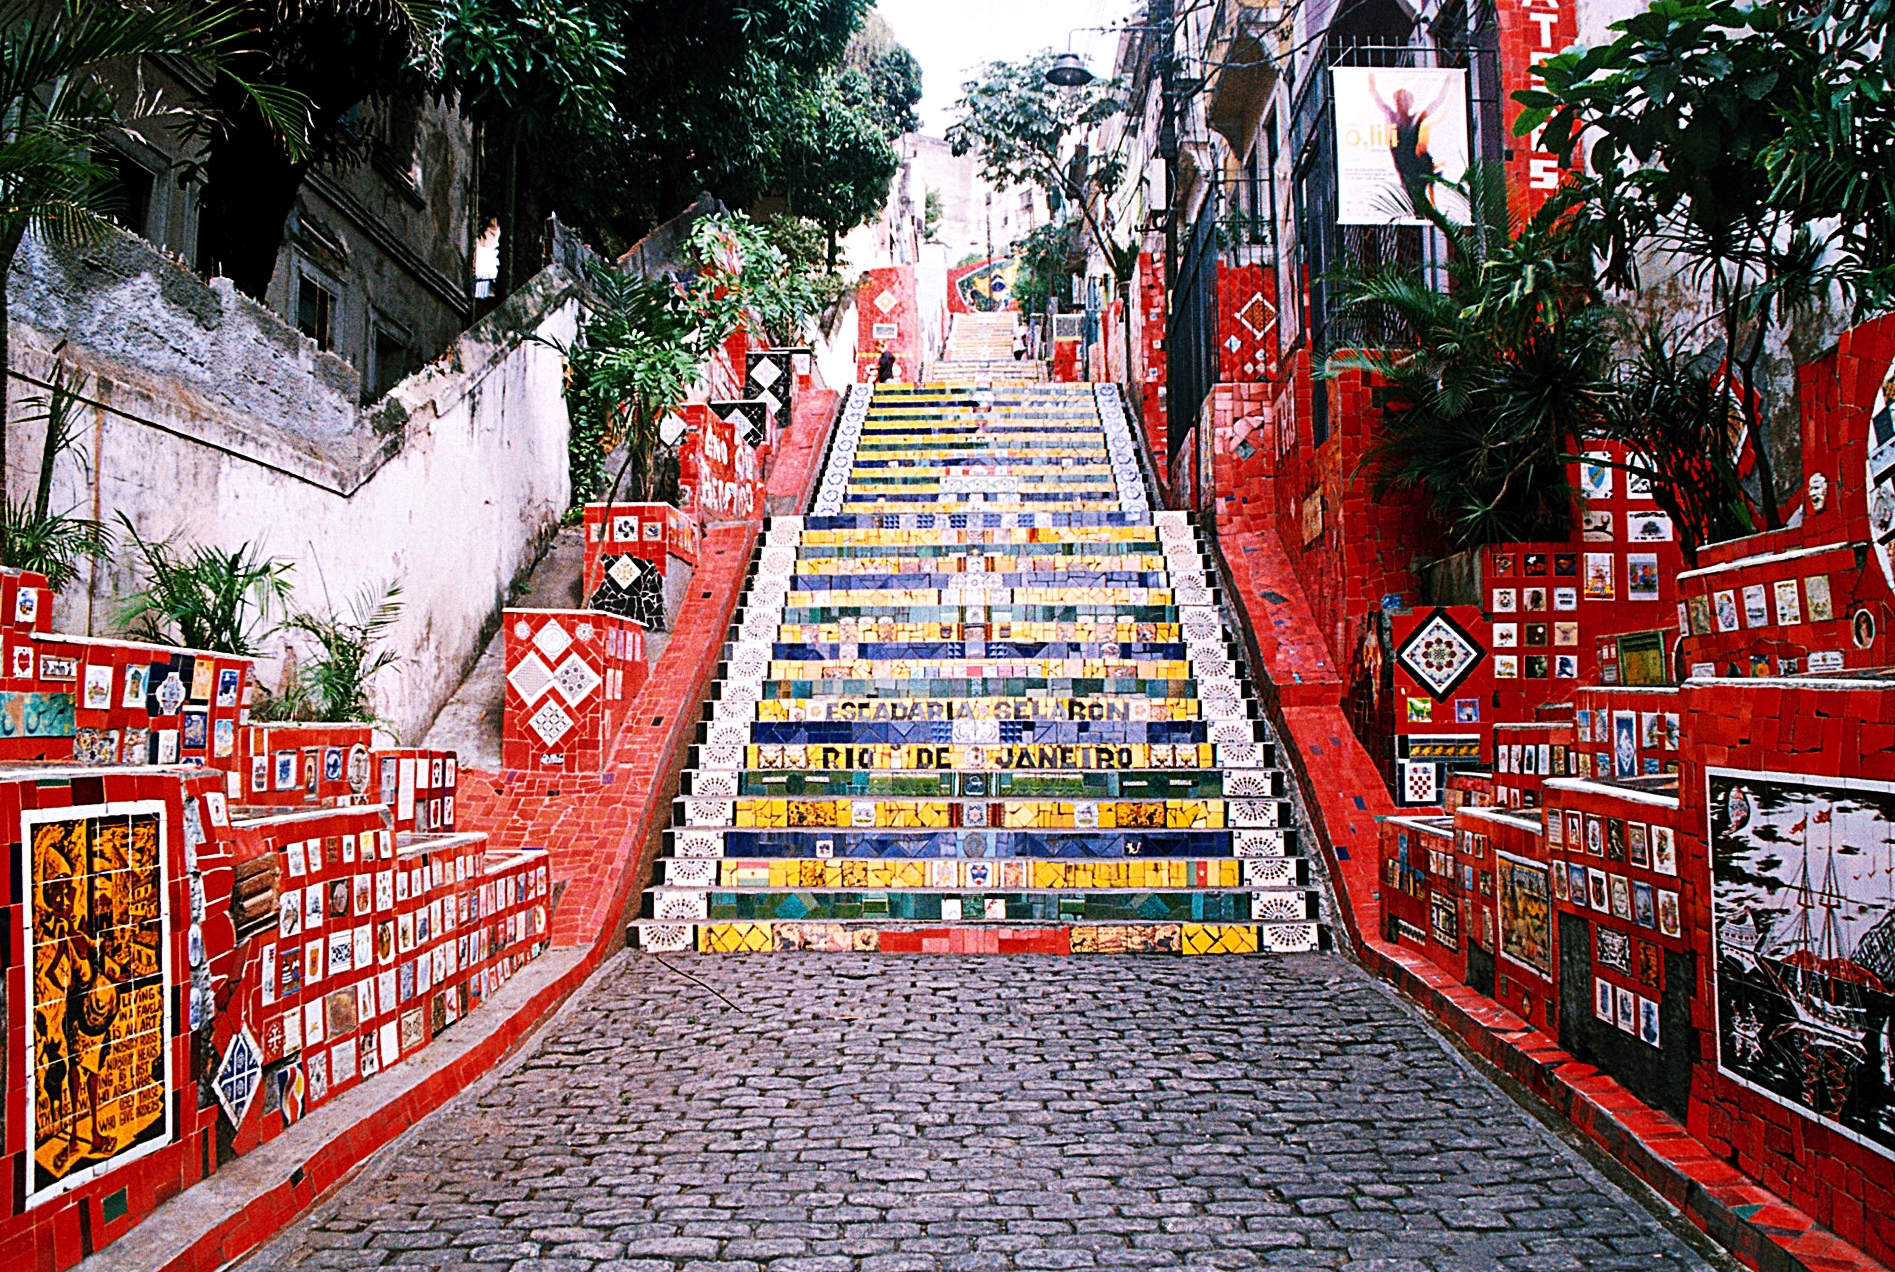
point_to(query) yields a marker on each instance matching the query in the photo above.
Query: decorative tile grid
(570, 676)
(981, 698)
(768, 376)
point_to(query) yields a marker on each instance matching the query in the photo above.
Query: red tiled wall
(1799, 728)
(584, 722)
(651, 532)
(1530, 31)
(897, 283)
(417, 786)
(293, 765)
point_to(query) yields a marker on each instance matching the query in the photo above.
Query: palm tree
(1491, 383)
(56, 113)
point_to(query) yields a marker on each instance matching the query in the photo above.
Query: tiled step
(1040, 874)
(996, 938)
(914, 904)
(1068, 784)
(974, 844)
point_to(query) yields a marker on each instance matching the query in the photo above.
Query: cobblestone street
(905, 1114)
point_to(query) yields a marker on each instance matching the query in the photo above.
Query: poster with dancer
(1400, 134)
(98, 1017)
(1803, 925)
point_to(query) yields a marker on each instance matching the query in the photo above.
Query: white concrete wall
(211, 421)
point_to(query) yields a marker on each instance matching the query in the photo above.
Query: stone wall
(212, 420)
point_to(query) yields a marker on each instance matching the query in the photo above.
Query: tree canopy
(1019, 125)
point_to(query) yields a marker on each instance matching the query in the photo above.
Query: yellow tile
(734, 938)
(1219, 938)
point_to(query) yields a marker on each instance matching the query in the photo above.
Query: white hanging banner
(1395, 129)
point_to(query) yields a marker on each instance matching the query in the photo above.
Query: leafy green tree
(1724, 135)
(896, 81)
(836, 162)
(699, 105)
(1049, 255)
(1491, 383)
(1835, 161)
(56, 111)
(538, 76)
(894, 74)
(1019, 124)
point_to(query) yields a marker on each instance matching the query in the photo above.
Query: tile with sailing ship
(1803, 920)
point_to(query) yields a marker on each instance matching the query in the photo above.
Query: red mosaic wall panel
(295, 764)
(888, 316)
(571, 676)
(417, 786)
(719, 478)
(652, 532)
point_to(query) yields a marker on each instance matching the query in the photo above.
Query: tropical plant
(1835, 163)
(1671, 411)
(637, 353)
(1687, 106)
(644, 342)
(204, 598)
(1490, 384)
(57, 112)
(336, 684)
(32, 535)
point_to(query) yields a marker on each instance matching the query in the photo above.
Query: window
(389, 355)
(315, 311)
(129, 189)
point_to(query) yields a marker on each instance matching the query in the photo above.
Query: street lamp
(1067, 71)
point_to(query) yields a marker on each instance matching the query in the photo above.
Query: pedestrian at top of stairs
(885, 365)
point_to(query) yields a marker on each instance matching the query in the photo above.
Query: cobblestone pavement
(868, 1113)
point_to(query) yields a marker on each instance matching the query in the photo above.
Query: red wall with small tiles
(1837, 393)
(1839, 729)
(897, 283)
(610, 647)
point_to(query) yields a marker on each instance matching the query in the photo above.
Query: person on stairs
(885, 365)
(1019, 343)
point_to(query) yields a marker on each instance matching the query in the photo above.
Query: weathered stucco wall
(211, 420)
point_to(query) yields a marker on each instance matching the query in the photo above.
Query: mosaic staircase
(980, 351)
(981, 700)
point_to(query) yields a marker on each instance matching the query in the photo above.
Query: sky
(953, 37)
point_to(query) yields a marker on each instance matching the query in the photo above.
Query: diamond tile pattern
(552, 639)
(982, 699)
(531, 678)
(575, 679)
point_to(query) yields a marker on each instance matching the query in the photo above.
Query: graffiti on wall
(98, 1017)
(1803, 924)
